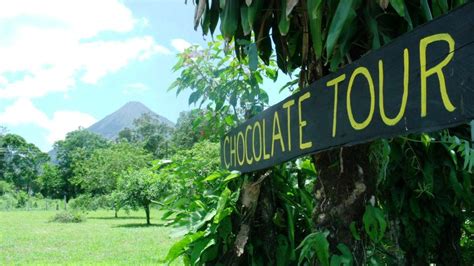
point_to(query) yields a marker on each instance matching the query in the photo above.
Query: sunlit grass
(27, 237)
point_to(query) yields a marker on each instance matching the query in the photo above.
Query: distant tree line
(94, 171)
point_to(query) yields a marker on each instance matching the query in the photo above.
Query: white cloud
(23, 112)
(67, 121)
(135, 88)
(180, 45)
(56, 44)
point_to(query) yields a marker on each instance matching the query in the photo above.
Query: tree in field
(418, 185)
(78, 147)
(151, 134)
(106, 166)
(102, 170)
(21, 163)
(50, 181)
(141, 187)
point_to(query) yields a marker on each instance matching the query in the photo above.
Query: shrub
(8, 202)
(5, 187)
(68, 217)
(22, 199)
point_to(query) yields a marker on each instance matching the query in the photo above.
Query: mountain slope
(111, 125)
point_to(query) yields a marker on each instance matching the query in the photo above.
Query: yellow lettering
(226, 139)
(438, 70)
(365, 72)
(335, 82)
(276, 123)
(240, 134)
(249, 160)
(302, 123)
(287, 105)
(266, 156)
(406, 70)
(257, 158)
(233, 151)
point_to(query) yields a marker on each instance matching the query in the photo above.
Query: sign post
(422, 81)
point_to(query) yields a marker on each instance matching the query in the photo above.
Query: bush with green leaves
(140, 188)
(214, 221)
(68, 217)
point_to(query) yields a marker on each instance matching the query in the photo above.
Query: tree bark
(147, 211)
(345, 184)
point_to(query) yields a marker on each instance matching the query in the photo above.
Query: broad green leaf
(322, 248)
(340, 18)
(244, 20)
(254, 11)
(221, 205)
(354, 231)
(399, 6)
(374, 223)
(195, 95)
(284, 24)
(199, 248)
(213, 176)
(291, 229)
(315, 19)
(179, 247)
(232, 176)
(253, 57)
(425, 7)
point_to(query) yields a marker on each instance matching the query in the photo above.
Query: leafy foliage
(78, 147)
(186, 134)
(428, 193)
(141, 187)
(68, 217)
(102, 171)
(423, 182)
(150, 133)
(21, 163)
(229, 90)
(313, 33)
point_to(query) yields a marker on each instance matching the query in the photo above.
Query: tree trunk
(449, 248)
(345, 184)
(265, 229)
(147, 211)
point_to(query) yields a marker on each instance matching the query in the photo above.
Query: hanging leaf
(244, 20)
(254, 11)
(383, 4)
(284, 24)
(340, 18)
(373, 28)
(289, 6)
(230, 19)
(401, 8)
(439, 7)
(253, 57)
(315, 19)
(200, 8)
(213, 15)
(426, 10)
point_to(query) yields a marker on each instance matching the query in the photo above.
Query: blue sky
(65, 64)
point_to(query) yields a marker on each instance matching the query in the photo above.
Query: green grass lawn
(27, 237)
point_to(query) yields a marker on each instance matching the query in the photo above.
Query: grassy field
(26, 237)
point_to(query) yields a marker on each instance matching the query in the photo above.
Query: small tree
(140, 188)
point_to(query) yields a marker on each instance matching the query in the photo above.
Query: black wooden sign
(422, 81)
